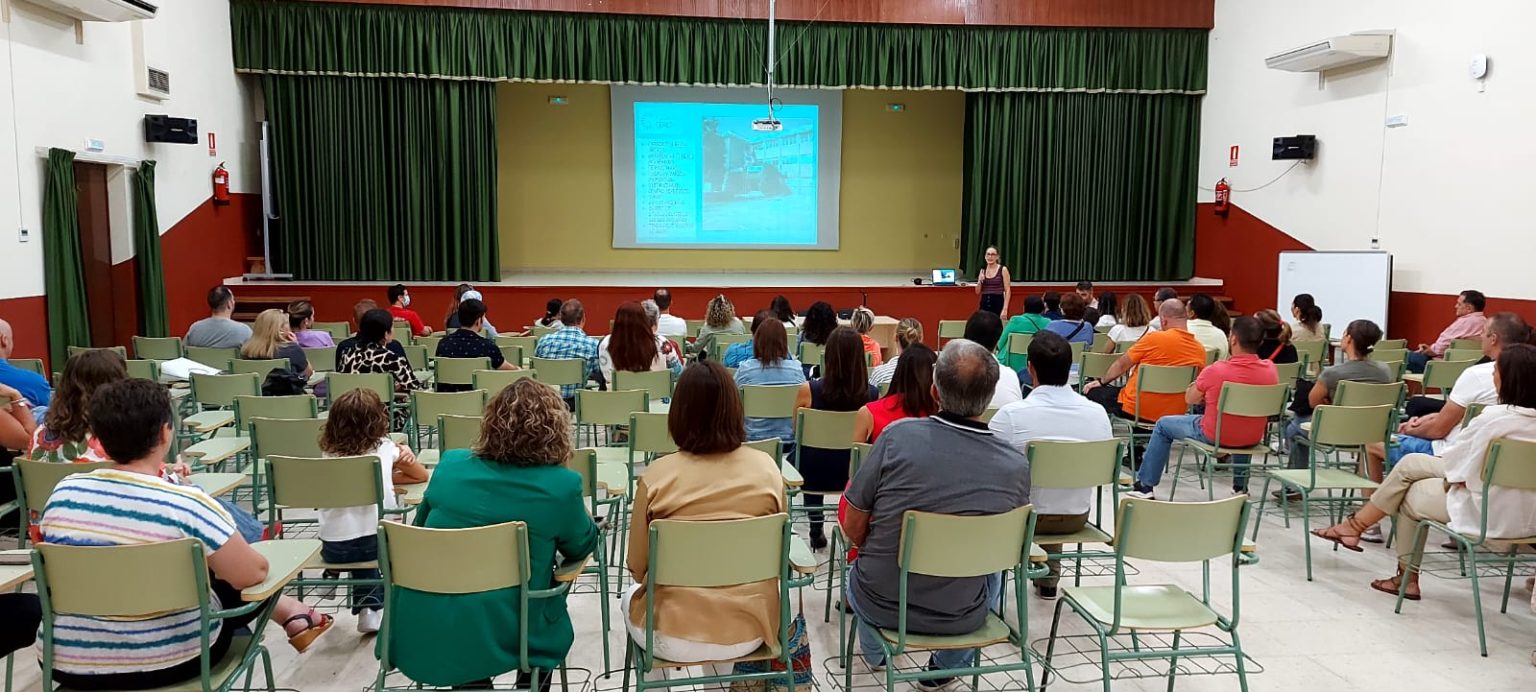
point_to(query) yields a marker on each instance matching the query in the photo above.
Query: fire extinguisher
(1223, 197)
(221, 185)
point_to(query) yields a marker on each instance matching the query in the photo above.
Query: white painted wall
(56, 93)
(1450, 195)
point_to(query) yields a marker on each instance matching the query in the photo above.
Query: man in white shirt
(1164, 293)
(1202, 309)
(666, 323)
(1052, 411)
(986, 328)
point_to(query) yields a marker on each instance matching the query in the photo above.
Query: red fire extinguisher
(221, 185)
(1223, 197)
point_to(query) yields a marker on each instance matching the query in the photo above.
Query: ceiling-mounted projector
(767, 125)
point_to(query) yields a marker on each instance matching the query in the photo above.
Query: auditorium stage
(520, 297)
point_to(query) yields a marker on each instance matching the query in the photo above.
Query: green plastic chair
(1123, 346)
(1473, 410)
(339, 383)
(693, 327)
(217, 358)
(837, 565)
(144, 369)
(1461, 343)
(608, 409)
(1311, 354)
(458, 432)
(161, 577)
(705, 554)
(584, 463)
(427, 407)
(809, 354)
(403, 334)
(214, 398)
(34, 365)
(1287, 373)
(949, 546)
(459, 371)
(157, 348)
(1153, 379)
(524, 344)
(286, 438)
(310, 484)
(773, 447)
(418, 357)
(1385, 354)
(1472, 354)
(560, 372)
(1352, 393)
(1102, 342)
(725, 341)
(1070, 465)
(493, 381)
(1335, 427)
(35, 481)
(1170, 532)
(261, 368)
(656, 383)
(951, 329)
(1236, 400)
(1509, 464)
(76, 350)
(832, 430)
(1018, 344)
(512, 354)
(769, 401)
(339, 331)
(649, 439)
(1441, 375)
(430, 342)
(461, 561)
(537, 332)
(1393, 344)
(1093, 366)
(321, 359)
(292, 407)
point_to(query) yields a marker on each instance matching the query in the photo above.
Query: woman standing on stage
(994, 284)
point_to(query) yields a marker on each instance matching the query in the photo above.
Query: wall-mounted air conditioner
(1329, 53)
(100, 10)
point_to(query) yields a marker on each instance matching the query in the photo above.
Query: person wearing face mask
(400, 308)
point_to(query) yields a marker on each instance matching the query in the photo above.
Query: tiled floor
(1331, 634)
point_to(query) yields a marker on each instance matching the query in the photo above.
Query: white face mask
(406, 300)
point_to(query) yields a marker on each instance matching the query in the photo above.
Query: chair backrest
(339, 383)
(1442, 374)
(512, 354)
(35, 480)
(1310, 351)
(29, 364)
(1474, 410)
(402, 331)
(693, 327)
(1095, 365)
(417, 356)
(1352, 393)
(990, 412)
(325, 483)
(725, 341)
(1212, 355)
(212, 357)
(951, 329)
(221, 390)
(144, 369)
(773, 447)
(584, 462)
(1101, 342)
(119, 350)
(809, 354)
(293, 407)
(288, 438)
(560, 371)
(427, 406)
(953, 546)
(1511, 464)
(1465, 343)
(609, 408)
(458, 432)
(454, 561)
(1473, 354)
(656, 383)
(157, 347)
(1018, 344)
(493, 381)
(1382, 355)
(769, 401)
(1252, 400)
(1067, 464)
(1123, 346)
(648, 434)
(719, 553)
(261, 368)
(525, 343)
(1179, 531)
(161, 577)
(338, 330)
(430, 342)
(322, 359)
(1164, 379)
(459, 370)
(856, 457)
(824, 429)
(1286, 373)
(1350, 426)
(1392, 344)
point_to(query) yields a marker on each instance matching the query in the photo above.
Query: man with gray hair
(950, 463)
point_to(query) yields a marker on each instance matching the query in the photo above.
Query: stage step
(247, 307)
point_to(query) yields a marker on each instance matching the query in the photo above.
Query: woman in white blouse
(1449, 488)
(634, 345)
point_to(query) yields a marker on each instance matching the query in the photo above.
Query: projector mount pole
(770, 123)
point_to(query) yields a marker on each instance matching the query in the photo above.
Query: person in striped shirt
(131, 503)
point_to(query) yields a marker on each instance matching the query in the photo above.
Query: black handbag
(283, 382)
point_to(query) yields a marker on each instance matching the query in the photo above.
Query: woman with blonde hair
(1135, 318)
(720, 318)
(270, 338)
(515, 472)
(862, 321)
(909, 332)
(1276, 347)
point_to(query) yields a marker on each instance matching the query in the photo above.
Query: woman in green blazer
(516, 472)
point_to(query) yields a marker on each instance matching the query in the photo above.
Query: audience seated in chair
(358, 310)
(462, 293)
(1172, 345)
(820, 320)
(984, 329)
(32, 386)
(372, 354)
(1163, 294)
(516, 472)
(1276, 347)
(571, 341)
(1204, 313)
(739, 352)
(843, 386)
(771, 365)
(1132, 322)
(551, 316)
(1031, 321)
(668, 324)
(470, 341)
(720, 318)
(1309, 318)
(400, 309)
(909, 332)
(1052, 305)
(218, 330)
(1469, 324)
(634, 345)
(358, 425)
(1053, 411)
(301, 316)
(1448, 488)
(862, 321)
(910, 395)
(1359, 339)
(132, 421)
(271, 339)
(950, 463)
(1244, 367)
(712, 477)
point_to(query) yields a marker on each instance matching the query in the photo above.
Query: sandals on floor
(1332, 536)
(307, 636)
(1389, 586)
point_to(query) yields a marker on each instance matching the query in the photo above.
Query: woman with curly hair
(515, 472)
(719, 319)
(65, 435)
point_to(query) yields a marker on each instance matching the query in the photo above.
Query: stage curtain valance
(312, 38)
(384, 179)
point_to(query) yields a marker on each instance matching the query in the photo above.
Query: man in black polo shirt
(467, 342)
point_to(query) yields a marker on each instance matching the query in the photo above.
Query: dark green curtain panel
(383, 179)
(312, 38)
(1074, 186)
(148, 265)
(63, 274)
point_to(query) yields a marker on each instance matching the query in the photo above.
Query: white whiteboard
(1348, 286)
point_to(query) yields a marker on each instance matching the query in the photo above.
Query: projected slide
(694, 173)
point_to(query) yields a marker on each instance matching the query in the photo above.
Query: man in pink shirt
(1469, 324)
(1244, 367)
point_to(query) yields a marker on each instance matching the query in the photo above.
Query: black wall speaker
(1299, 147)
(164, 128)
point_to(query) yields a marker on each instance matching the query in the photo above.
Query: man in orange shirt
(1172, 345)
(399, 307)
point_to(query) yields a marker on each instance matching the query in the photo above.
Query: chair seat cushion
(1326, 479)
(1088, 534)
(1150, 607)
(991, 632)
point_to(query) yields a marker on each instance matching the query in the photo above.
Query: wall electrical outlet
(23, 235)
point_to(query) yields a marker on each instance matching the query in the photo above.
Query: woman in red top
(910, 395)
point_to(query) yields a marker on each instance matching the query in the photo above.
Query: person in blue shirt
(1073, 327)
(30, 384)
(772, 365)
(571, 342)
(738, 353)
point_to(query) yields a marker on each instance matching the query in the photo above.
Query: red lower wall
(29, 321)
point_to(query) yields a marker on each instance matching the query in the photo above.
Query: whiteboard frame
(1281, 299)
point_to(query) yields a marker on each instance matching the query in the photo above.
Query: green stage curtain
(146, 251)
(63, 275)
(344, 39)
(1074, 186)
(383, 179)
